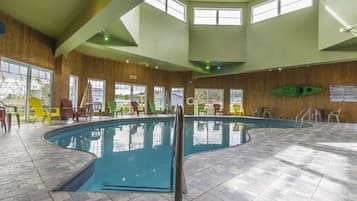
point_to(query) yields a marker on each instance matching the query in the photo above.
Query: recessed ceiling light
(280, 69)
(156, 67)
(127, 61)
(106, 37)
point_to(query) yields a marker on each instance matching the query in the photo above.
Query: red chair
(67, 110)
(217, 109)
(135, 106)
(3, 117)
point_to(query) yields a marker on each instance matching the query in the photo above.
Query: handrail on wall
(180, 184)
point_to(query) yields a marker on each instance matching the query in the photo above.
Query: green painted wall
(131, 21)
(334, 15)
(289, 40)
(162, 37)
(217, 43)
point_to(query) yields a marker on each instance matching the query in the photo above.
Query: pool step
(113, 187)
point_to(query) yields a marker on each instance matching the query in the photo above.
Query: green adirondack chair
(201, 107)
(112, 106)
(152, 108)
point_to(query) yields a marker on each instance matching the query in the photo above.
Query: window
(205, 16)
(73, 90)
(287, 6)
(177, 96)
(236, 97)
(98, 91)
(41, 85)
(230, 17)
(208, 97)
(174, 8)
(273, 8)
(125, 93)
(159, 97)
(343, 93)
(19, 81)
(218, 16)
(264, 11)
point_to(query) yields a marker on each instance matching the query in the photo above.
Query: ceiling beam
(99, 14)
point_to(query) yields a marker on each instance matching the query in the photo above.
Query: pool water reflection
(138, 155)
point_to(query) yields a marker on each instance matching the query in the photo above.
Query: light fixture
(280, 69)
(127, 61)
(208, 67)
(106, 35)
(156, 67)
(270, 70)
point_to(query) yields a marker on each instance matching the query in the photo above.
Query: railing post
(179, 177)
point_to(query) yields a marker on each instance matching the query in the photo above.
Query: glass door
(208, 97)
(139, 95)
(125, 93)
(177, 97)
(41, 85)
(123, 96)
(18, 81)
(13, 85)
(73, 90)
(236, 97)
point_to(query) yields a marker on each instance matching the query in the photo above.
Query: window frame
(162, 107)
(209, 106)
(279, 6)
(231, 110)
(104, 94)
(29, 77)
(259, 5)
(166, 10)
(76, 78)
(217, 17)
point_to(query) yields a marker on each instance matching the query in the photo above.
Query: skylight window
(264, 11)
(287, 6)
(230, 17)
(218, 16)
(174, 8)
(273, 8)
(205, 16)
(160, 4)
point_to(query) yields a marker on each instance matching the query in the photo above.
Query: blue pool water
(138, 154)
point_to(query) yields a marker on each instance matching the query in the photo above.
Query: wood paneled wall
(22, 43)
(25, 44)
(86, 67)
(257, 89)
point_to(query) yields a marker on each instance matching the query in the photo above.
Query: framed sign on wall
(343, 93)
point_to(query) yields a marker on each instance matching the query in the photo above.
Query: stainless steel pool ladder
(180, 183)
(312, 114)
(297, 118)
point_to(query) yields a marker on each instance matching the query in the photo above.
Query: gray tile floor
(312, 164)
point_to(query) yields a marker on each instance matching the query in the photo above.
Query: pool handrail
(180, 184)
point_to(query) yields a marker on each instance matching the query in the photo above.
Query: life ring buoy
(190, 101)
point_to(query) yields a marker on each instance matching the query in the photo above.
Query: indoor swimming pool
(137, 155)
